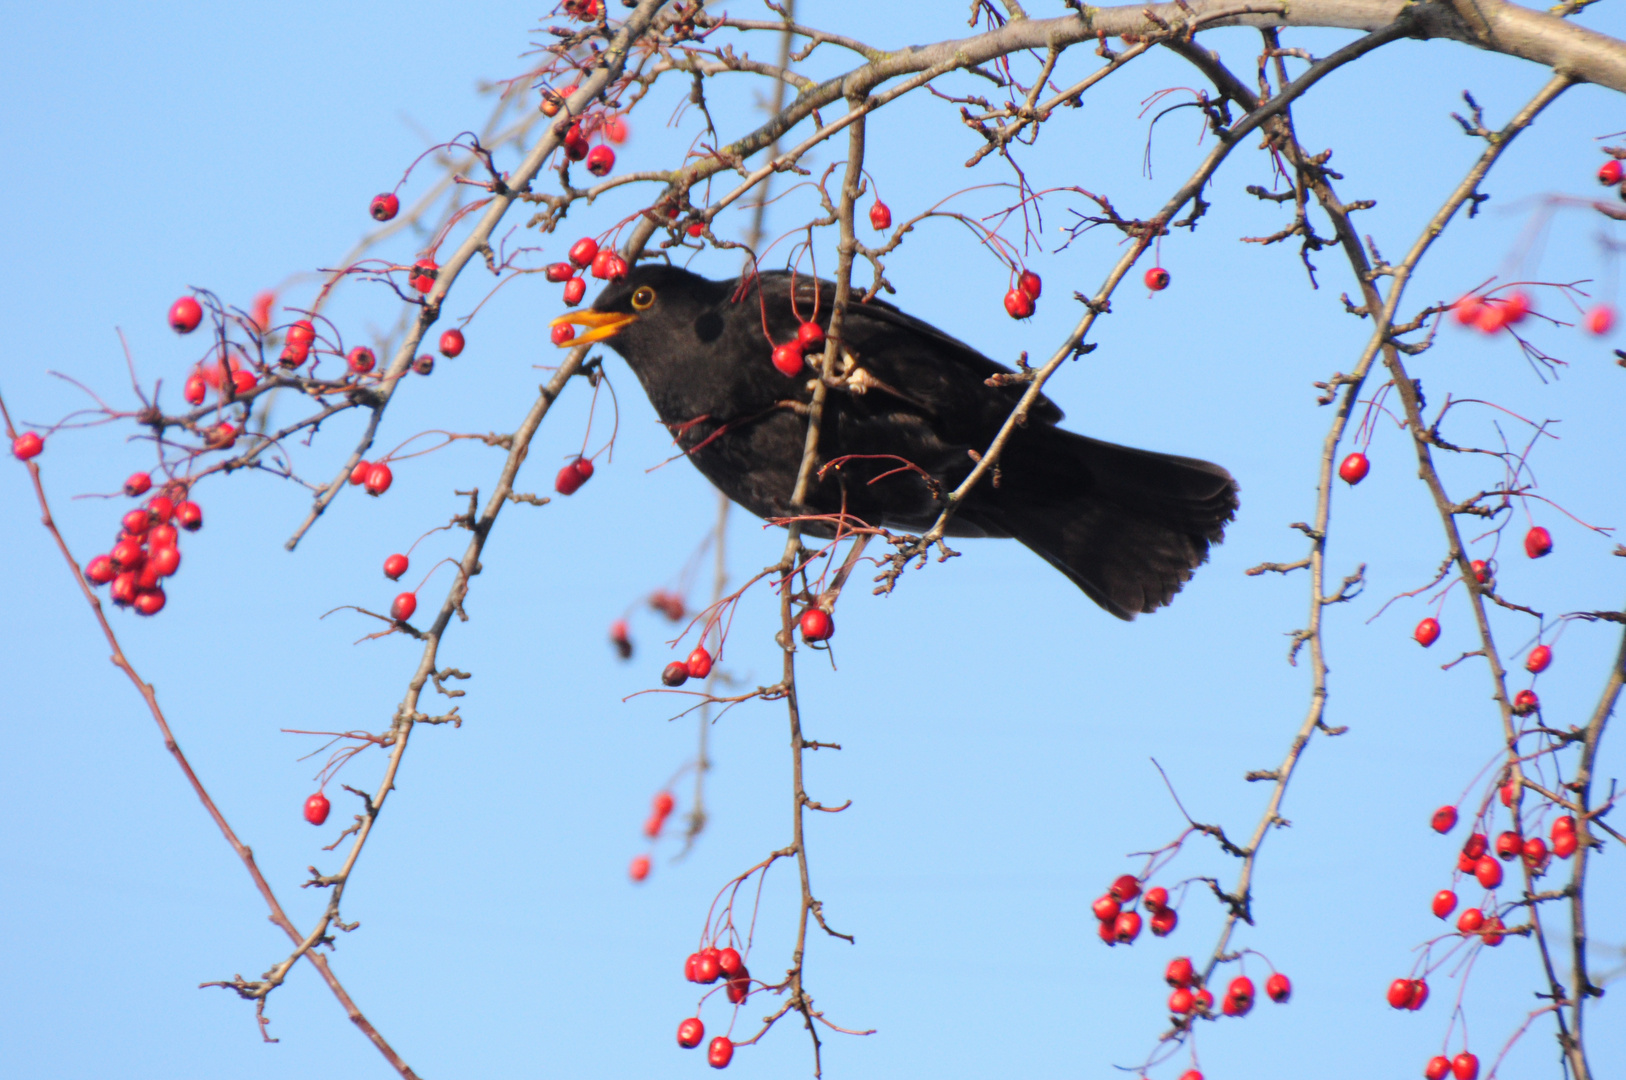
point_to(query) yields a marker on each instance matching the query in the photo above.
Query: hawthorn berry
(1467, 310)
(1491, 316)
(1444, 819)
(1476, 846)
(1600, 319)
(1508, 845)
(1419, 994)
(316, 808)
(653, 825)
(615, 267)
(1538, 542)
(27, 445)
(451, 343)
(1565, 824)
(100, 570)
(1492, 934)
(1106, 909)
(810, 336)
(1279, 988)
(600, 160)
(1482, 572)
(639, 868)
(575, 289)
(691, 1031)
(123, 591)
(164, 561)
(1516, 307)
(563, 333)
(1470, 921)
(1535, 851)
(668, 604)
(301, 333)
(161, 507)
(194, 390)
(675, 674)
(1029, 283)
(1205, 1000)
(395, 566)
(361, 360)
(583, 252)
(1238, 997)
(423, 275)
(1179, 972)
(149, 601)
(560, 271)
(379, 478)
(1610, 172)
(1126, 928)
(1564, 843)
(708, 970)
(1163, 922)
(1445, 902)
(292, 356)
(403, 607)
(161, 536)
(621, 639)
(146, 580)
(1427, 632)
(1018, 304)
(1125, 888)
(1400, 993)
(691, 967)
(1525, 702)
(1182, 1001)
(817, 625)
(189, 516)
(720, 1052)
(662, 805)
(787, 359)
(136, 522)
(127, 555)
(575, 143)
(739, 987)
(728, 960)
(1465, 1066)
(1353, 469)
(1157, 279)
(696, 228)
(385, 206)
(601, 263)
(424, 365)
(1539, 658)
(573, 476)
(699, 664)
(138, 483)
(1107, 930)
(1488, 871)
(185, 315)
(242, 381)
(880, 216)
(1157, 898)
(1438, 1068)
(223, 436)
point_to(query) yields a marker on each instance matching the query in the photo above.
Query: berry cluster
(147, 548)
(1023, 298)
(1190, 997)
(705, 967)
(660, 809)
(790, 357)
(585, 253)
(697, 666)
(573, 476)
(1120, 923)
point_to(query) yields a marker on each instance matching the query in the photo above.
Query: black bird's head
(655, 305)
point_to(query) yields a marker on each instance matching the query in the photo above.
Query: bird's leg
(827, 599)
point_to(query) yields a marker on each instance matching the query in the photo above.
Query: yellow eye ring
(642, 298)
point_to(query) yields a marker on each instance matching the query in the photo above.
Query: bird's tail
(1127, 526)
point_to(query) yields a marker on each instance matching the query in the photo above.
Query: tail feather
(1126, 526)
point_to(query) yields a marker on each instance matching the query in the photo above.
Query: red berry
(1525, 702)
(583, 251)
(424, 365)
(1565, 824)
(1106, 909)
(564, 333)
(601, 263)
(575, 143)
(162, 536)
(584, 468)
(1107, 930)
(1564, 843)
(379, 478)
(730, 963)
(600, 160)
(361, 360)
(136, 522)
(302, 333)
(1491, 317)
(557, 272)
(242, 381)
(615, 129)
(1535, 852)
(100, 570)
(1445, 902)
(138, 483)
(1600, 319)
(1468, 310)
(127, 555)
(1279, 988)
(384, 207)
(739, 987)
(639, 868)
(146, 581)
(1476, 846)
(662, 804)
(27, 445)
(1538, 542)
(1492, 933)
(1539, 658)
(403, 607)
(817, 625)
(1126, 928)
(1191, 1074)
(395, 566)
(1517, 307)
(653, 825)
(1419, 994)
(1182, 1001)
(708, 970)
(1163, 922)
(1470, 921)
(185, 315)
(880, 216)
(787, 359)
(1507, 792)
(1179, 972)
(810, 336)
(1427, 632)
(691, 967)
(675, 674)
(1400, 993)
(1482, 572)
(1205, 1000)
(451, 343)
(575, 289)
(1029, 283)
(615, 267)
(691, 1031)
(358, 475)
(1488, 871)
(189, 516)
(1354, 468)
(1610, 173)
(568, 480)
(1444, 820)
(292, 356)
(316, 808)
(123, 591)
(720, 1052)
(696, 228)
(1157, 279)
(699, 664)
(164, 561)
(1157, 899)
(1465, 1066)
(1238, 997)
(1125, 888)
(194, 390)
(423, 276)
(161, 507)
(1018, 304)
(1508, 845)
(1438, 1068)
(621, 638)
(149, 601)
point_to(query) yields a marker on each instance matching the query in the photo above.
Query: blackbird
(907, 410)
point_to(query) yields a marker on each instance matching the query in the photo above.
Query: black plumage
(1126, 526)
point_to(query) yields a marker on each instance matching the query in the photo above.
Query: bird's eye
(642, 297)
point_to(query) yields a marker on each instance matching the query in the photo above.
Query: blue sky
(997, 728)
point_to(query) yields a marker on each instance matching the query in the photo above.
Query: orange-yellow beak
(600, 325)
